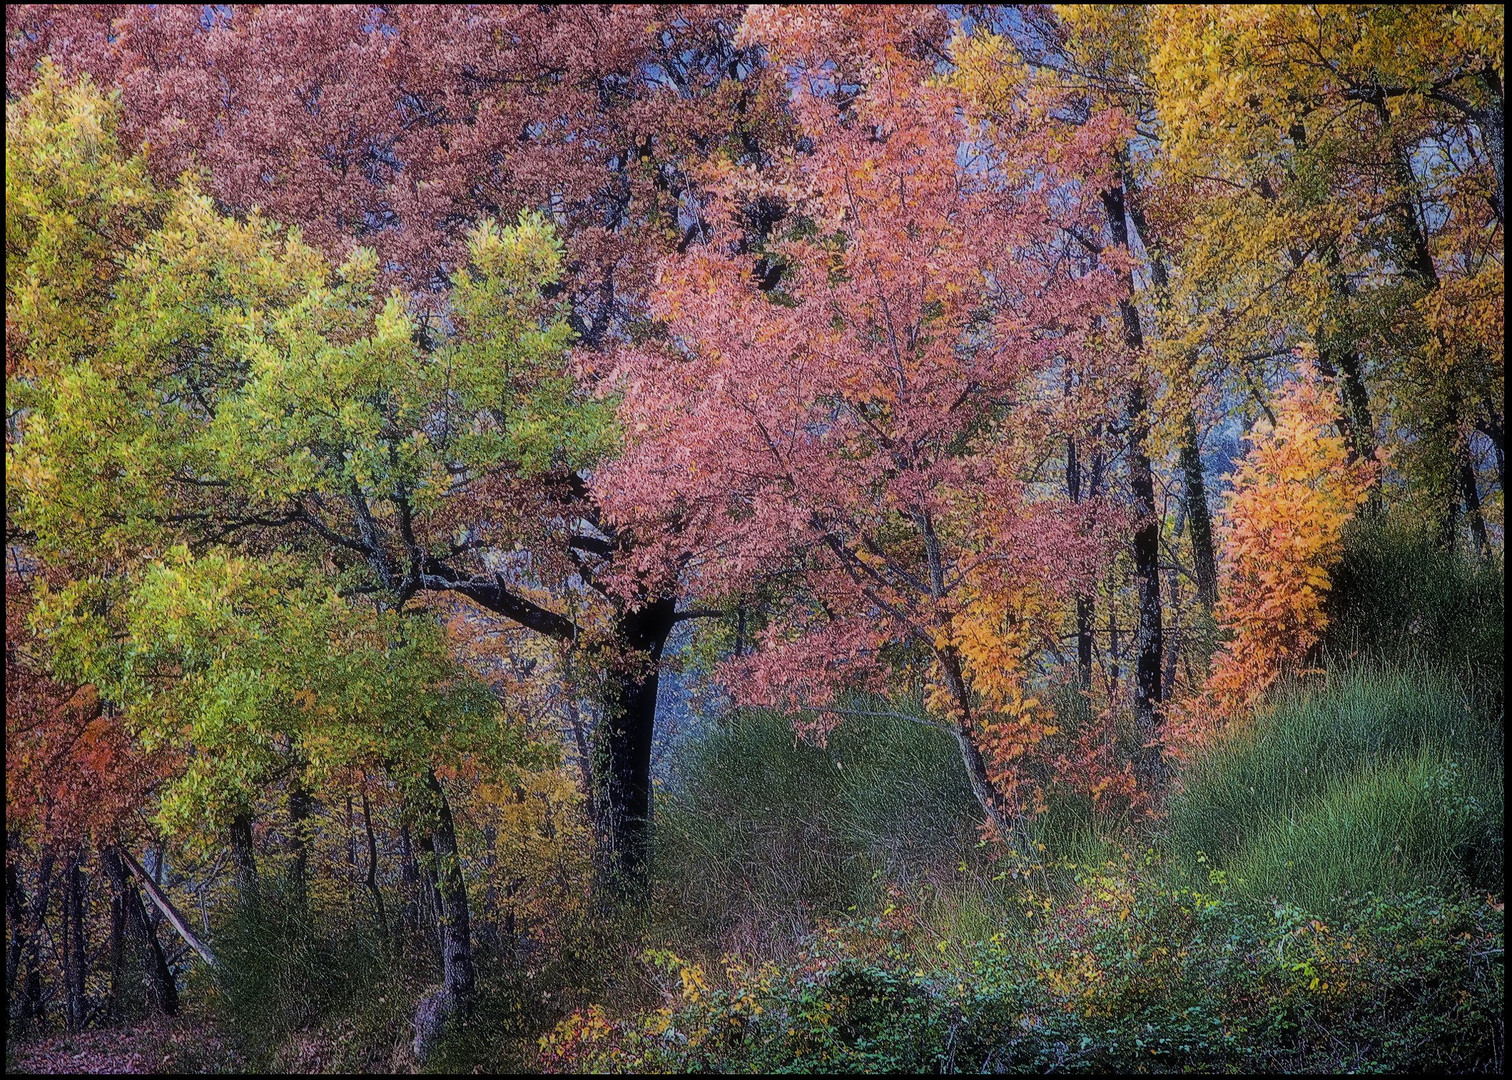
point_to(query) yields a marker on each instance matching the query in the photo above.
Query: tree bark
(372, 870)
(455, 997)
(1084, 606)
(15, 914)
(409, 883)
(624, 736)
(33, 1007)
(1148, 638)
(300, 807)
(1199, 520)
(244, 859)
(73, 943)
(157, 978)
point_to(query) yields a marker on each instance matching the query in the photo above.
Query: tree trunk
(1149, 647)
(1199, 520)
(409, 883)
(624, 736)
(117, 954)
(300, 807)
(372, 870)
(1084, 611)
(157, 978)
(455, 997)
(73, 943)
(15, 915)
(1494, 130)
(33, 1006)
(1470, 495)
(244, 859)
(1148, 638)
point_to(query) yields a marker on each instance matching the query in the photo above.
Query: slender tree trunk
(117, 953)
(157, 978)
(409, 882)
(244, 859)
(15, 915)
(1492, 120)
(372, 869)
(1173, 605)
(33, 1006)
(456, 930)
(455, 998)
(300, 807)
(1148, 638)
(73, 943)
(1084, 610)
(624, 734)
(1199, 520)
(1470, 496)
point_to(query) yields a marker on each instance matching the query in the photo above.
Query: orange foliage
(1282, 535)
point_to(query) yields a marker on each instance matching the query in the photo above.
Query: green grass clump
(302, 982)
(761, 834)
(1399, 597)
(1382, 779)
(1421, 823)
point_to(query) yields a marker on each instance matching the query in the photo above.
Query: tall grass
(760, 835)
(1400, 597)
(1384, 778)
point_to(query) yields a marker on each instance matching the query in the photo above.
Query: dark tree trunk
(1470, 496)
(1084, 610)
(15, 915)
(1149, 646)
(456, 929)
(244, 859)
(157, 978)
(117, 954)
(33, 1006)
(300, 807)
(624, 735)
(1148, 639)
(622, 750)
(73, 943)
(409, 883)
(372, 870)
(1199, 520)
(1492, 120)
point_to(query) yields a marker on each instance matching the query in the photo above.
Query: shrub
(1400, 597)
(760, 835)
(1122, 977)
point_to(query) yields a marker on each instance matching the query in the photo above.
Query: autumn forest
(697, 538)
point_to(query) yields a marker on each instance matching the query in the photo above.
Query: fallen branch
(171, 913)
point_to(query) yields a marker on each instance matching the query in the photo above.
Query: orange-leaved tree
(1282, 534)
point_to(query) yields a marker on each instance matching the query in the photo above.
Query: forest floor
(183, 1044)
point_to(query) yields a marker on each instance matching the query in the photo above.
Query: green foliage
(1125, 977)
(760, 833)
(1400, 596)
(260, 669)
(292, 975)
(1381, 779)
(219, 375)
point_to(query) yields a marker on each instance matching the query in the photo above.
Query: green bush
(1398, 596)
(298, 980)
(760, 834)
